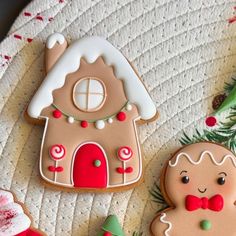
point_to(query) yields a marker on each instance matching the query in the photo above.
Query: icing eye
(221, 180)
(185, 179)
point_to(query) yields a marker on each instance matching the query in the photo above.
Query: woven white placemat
(184, 51)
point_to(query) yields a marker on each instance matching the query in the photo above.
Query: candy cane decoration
(57, 153)
(124, 154)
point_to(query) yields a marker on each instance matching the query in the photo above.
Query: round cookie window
(89, 94)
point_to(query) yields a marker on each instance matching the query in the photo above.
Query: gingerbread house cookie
(199, 183)
(13, 218)
(91, 100)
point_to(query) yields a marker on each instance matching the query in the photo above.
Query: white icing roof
(91, 48)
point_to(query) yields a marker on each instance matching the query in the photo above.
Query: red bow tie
(215, 203)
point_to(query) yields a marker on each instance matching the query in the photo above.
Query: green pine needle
(224, 134)
(158, 197)
(198, 137)
(229, 86)
(137, 233)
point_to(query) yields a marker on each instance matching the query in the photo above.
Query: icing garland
(99, 123)
(163, 215)
(200, 159)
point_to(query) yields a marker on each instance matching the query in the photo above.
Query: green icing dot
(97, 163)
(205, 225)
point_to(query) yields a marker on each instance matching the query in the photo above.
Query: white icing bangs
(203, 155)
(91, 48)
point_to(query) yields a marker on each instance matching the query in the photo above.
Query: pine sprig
(137, 233)
(225, 134)
(158, 197)
(229, 86)
(198, 137)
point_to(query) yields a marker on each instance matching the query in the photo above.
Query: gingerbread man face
(202, 173)
(199, 182)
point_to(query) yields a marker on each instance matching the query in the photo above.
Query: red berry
(84, 124)
(56, 114)
(210, 121)
(107, 234)
(121, 116)
(29, 40)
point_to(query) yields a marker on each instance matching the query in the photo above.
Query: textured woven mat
(184, 51)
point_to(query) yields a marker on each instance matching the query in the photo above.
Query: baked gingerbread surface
(199, 183)
(183, 50)
(90, 103)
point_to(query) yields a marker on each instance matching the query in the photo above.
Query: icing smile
(202, 191)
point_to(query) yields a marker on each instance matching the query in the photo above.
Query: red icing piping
(55, 169)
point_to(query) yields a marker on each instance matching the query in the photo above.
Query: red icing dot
(55, 169)
(107, 234)
(210, 121)
(84, 124)
(121, 116)
(129, 170)
(56, 114)
(120, 170)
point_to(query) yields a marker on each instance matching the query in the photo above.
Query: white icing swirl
(57, 152)
(183, 154)
(13, 220)
(163, 215)
(125, 153)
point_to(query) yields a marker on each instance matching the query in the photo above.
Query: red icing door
(90, 167)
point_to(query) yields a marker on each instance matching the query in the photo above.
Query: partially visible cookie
(13, 217)
(199, 184)
(111, 227)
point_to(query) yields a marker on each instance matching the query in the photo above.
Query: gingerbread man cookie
(90, 101)
(13, 218)
(199, 183)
